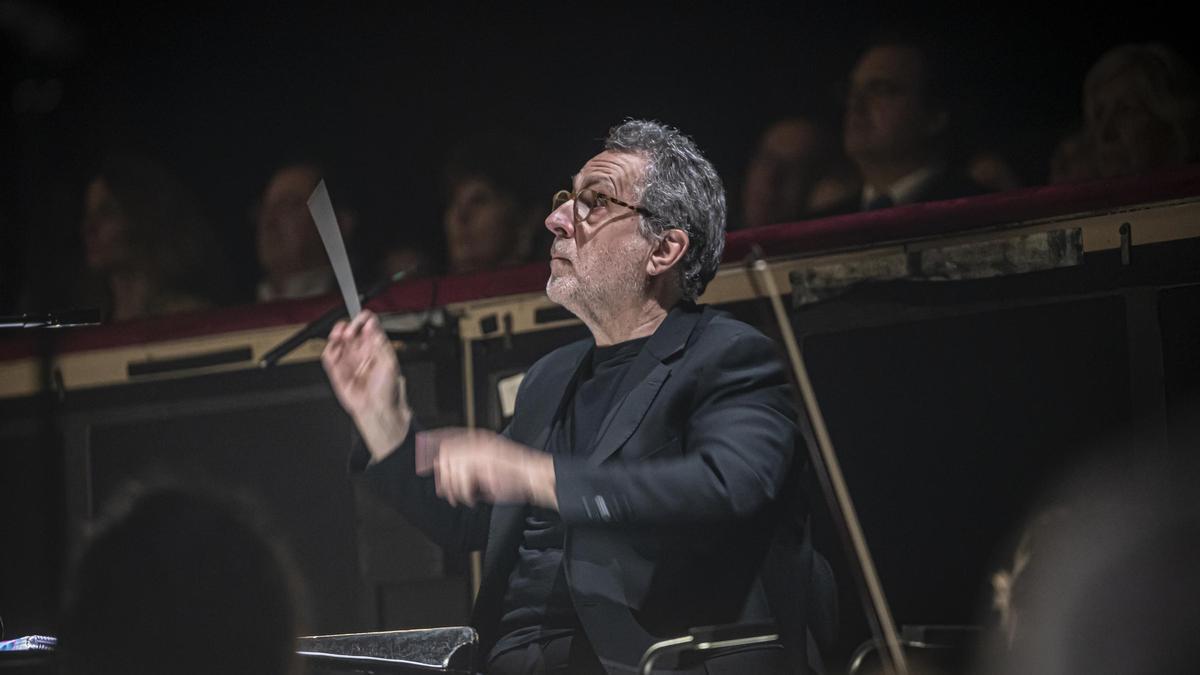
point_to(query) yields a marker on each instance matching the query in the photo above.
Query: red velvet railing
(852, 230)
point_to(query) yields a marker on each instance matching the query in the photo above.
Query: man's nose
(561, 221)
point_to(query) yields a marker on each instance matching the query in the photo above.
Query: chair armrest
(705, 638)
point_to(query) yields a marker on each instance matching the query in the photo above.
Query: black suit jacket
(670, 515)
(949, 183)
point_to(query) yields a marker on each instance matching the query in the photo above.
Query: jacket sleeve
(738, 440)
(395, 479)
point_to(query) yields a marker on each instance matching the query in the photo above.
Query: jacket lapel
(651, 370)
(553, 400)
(506, 519)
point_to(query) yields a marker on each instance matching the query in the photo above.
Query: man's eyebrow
(592, 180)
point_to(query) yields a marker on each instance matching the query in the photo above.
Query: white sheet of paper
(322, 213)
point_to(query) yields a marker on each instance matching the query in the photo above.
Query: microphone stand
(833, 484)
(70, 318)
(320, 326)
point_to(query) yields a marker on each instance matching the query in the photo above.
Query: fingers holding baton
(361, 363)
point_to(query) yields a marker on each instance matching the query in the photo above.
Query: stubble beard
(594, 289)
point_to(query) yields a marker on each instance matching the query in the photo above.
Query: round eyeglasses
(588, 199)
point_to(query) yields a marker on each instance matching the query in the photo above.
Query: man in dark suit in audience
(648, 482)
(897, 127)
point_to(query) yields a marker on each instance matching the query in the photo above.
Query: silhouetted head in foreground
(176, 582)
(1106, 582)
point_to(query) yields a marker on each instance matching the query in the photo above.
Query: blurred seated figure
(1141, 108)
(1106, 581)
(293, 259)
(897, 129)
(176, 582)
(792, 154)
(147, 251)
(493, 205)
(992, 172)
(1072, 160)
(408, 258)
(836, 187)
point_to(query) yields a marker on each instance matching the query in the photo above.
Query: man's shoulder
(719, 330)
(732, 356)
(720, 338)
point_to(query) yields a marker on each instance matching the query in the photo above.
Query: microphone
(320, 326)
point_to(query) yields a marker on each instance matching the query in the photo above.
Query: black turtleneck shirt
(537, 606)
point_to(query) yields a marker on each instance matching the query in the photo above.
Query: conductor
(647, 483)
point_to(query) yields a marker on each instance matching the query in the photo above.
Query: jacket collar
(672, 334)
(650, 369)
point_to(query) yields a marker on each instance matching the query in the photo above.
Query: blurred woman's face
(105, 229)
(480, 224)
(1127, 136)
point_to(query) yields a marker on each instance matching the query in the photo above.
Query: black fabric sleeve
(395, 480)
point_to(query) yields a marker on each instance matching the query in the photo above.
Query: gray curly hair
(682, 189)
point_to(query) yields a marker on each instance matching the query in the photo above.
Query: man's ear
(668, 252)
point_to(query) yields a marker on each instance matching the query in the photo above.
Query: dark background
(224, 92)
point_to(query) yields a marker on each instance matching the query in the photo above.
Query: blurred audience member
(293, 259)
(792, 154)
(1106, 582)
(176, 582)
(1072, 160)
(411, 260)
(1141, 107)
(494, 205)
(147, 250)
(832, 189)
(992, 172)
(897, 129)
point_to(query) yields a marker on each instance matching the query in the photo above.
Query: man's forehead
(619, 168)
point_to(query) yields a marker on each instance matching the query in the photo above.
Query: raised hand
(362, 367)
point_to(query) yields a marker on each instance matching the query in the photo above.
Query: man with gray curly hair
(680, 211)
(646, 484)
